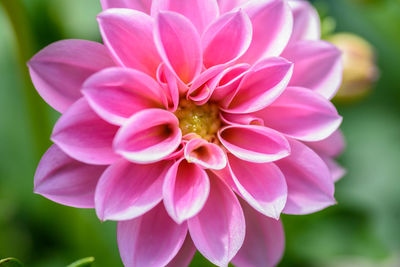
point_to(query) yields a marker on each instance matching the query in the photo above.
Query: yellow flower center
(201, 120)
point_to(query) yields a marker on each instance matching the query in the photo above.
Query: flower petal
(127, 190)
(331, 146)
(306, 22)
(218, 230)
(228, 5)
(336, 170)
(309, 181)
(262, 185)
(200, 12)
(226, 39)
(117, 93)
(261, 85)
(168, 82)
(272, 22)
(317, 66)
(141, 5)
(185, 254)
(301, 114)
(185, 190)
(264, 243)
(178, 43)
(85, 136)
(65, 180)
(207, 155)
(59, 70)
(148, 136)
(151, 240)
(128, 34)
(254, 143)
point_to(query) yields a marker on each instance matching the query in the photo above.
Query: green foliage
(85, 262)
(10, 262)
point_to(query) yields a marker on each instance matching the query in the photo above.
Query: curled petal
(242, 119)
(128, 34)
(331, 146)
(178, 43)
(84, 136)
(127, 190)
(301, 114)
(317, 66)
(117, 93)
(151, 240)
(207, 155)
(59, 70)
(186, 188)
(262, 185)
(306, 23)
(140, 5)
(168, 82)
(309, 181)
(218, 230)
(254, 143)
(65, 180)
(226, 39)
(148, 136)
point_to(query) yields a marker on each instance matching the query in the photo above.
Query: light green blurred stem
(39, 122)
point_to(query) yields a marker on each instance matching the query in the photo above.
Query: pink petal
(128, 34)
(336, 170)
(228, 5)
(185, 254)
(59, 70)
(309, 181)
(117, 93)
(148, 136)
(186, 188)
(306, 23)
(332, 146)
(141, 5)
(207, 155)
(218, 230)
(85, 136)
(168, 82)
(65, 180)
(151, 240)
(243, 119)
(272, 22)
(301, 114)
(317, 66)
(264, 243)
(254, 143)
(178, 43)
(259, 87)
(127, 190)
(200, 12)
(226, 39)
(262, 185)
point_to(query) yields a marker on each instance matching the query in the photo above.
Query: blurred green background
(362, 230)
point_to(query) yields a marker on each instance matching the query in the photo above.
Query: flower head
(195, 125)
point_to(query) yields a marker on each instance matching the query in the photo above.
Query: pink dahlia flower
(195, 126)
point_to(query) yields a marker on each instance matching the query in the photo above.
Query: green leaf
(85, 262)
(10, 262)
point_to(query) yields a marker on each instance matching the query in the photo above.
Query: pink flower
(195, 125)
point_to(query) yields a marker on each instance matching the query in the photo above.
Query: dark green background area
(362, 230)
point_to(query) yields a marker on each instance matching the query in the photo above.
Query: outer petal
(301, 114)
(264, 243)
(200, 12)
(65, 180)
(262, 185)
(254, 143)
(128, 34)
(178, 43)
(148, 136)
(207, 155)
(336, 170)
(261, 86)
(310, 185)
(152, 240)
(127, 190)
(306, 23)
(185, 255)
(59, 70)
(84, 136)
(226, 39)
(331, 146)
(218, 230)
(272, 22)
(141, 5)
(317, 66)
(117, 93)
(186, 188)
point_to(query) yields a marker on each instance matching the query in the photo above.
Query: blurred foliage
(10, 262)
(362, 230)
